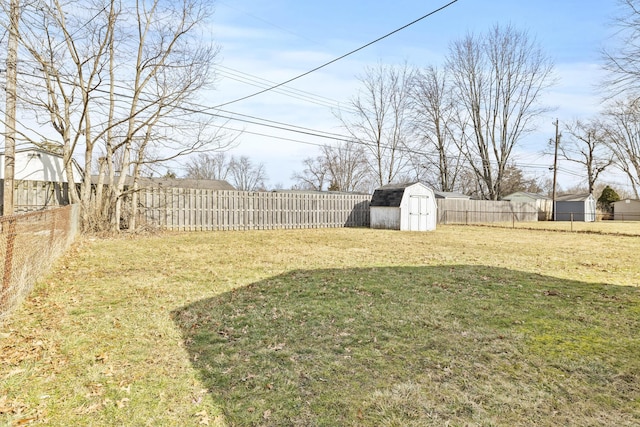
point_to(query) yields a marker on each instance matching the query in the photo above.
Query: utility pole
(555, 172)
(10, 110)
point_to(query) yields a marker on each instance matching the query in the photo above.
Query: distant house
(543, 204)
(451, 195)
(40, 179)
(34, 164)
(201, 184)
(410, 207)
(187, 183)
(626, 210)
(575, 207)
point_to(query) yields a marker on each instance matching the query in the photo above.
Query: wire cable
(433, 12)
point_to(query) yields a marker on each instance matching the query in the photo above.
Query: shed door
(418, 213)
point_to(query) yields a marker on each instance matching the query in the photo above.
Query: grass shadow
(415, 346)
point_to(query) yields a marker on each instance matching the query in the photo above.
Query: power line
(340, 57)
(194, 108)
(266, 22)
(201, 109)
(259, 82)
(314, 131)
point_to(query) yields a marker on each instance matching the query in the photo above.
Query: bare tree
(246, 175)
(60, 77)
(347, 166)
(209, 166)
(586, 146)
(314, 175)
(433, 119)
(381, 121)
(623, 138)
(516, 180)
(623, 62)
(498, 79)
(114, 80)
(342, 167)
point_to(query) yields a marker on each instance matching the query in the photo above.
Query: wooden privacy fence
(456, 211)
(37, 195)
(202, 209)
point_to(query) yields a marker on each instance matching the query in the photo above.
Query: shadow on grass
(418, 346)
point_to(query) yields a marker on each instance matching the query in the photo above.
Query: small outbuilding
(626, 210)
(40, 180)
(35, 164)
(451, 195)
(542, 203)
(407, 207)
(575, 207)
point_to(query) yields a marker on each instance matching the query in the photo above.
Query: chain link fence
(29, 244)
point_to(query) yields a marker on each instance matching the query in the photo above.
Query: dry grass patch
(620, 228)
(467, 325)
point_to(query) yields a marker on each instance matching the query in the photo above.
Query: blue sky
(273, 41)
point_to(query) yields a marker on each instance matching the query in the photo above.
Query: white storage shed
(407, 207)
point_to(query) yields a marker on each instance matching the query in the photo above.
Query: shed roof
(573, 197)
(534, 196)
(389, 195)
(627, 201)
(450, 195)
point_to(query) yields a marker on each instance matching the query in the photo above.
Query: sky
(267, 42)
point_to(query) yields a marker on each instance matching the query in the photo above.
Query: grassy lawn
(624, 228)
(346, 327)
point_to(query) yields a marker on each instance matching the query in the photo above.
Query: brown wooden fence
(201, 209)
(458, 211)
(32, 196)
(206, 209)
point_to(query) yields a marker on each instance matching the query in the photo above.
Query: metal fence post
(571, 214)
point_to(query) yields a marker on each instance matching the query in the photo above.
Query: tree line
(455, 127)
(112, 84)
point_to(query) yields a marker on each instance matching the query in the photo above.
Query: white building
(410, 207)
(40, 179)
(33, 164)
(543, 204)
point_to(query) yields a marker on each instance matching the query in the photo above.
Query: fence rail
(29, 243)
(32, 196)
(452, 211)
(626, 216)
(200, 209)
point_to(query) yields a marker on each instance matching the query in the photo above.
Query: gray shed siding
(387, 218)
(626, 210)
(582, 208)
